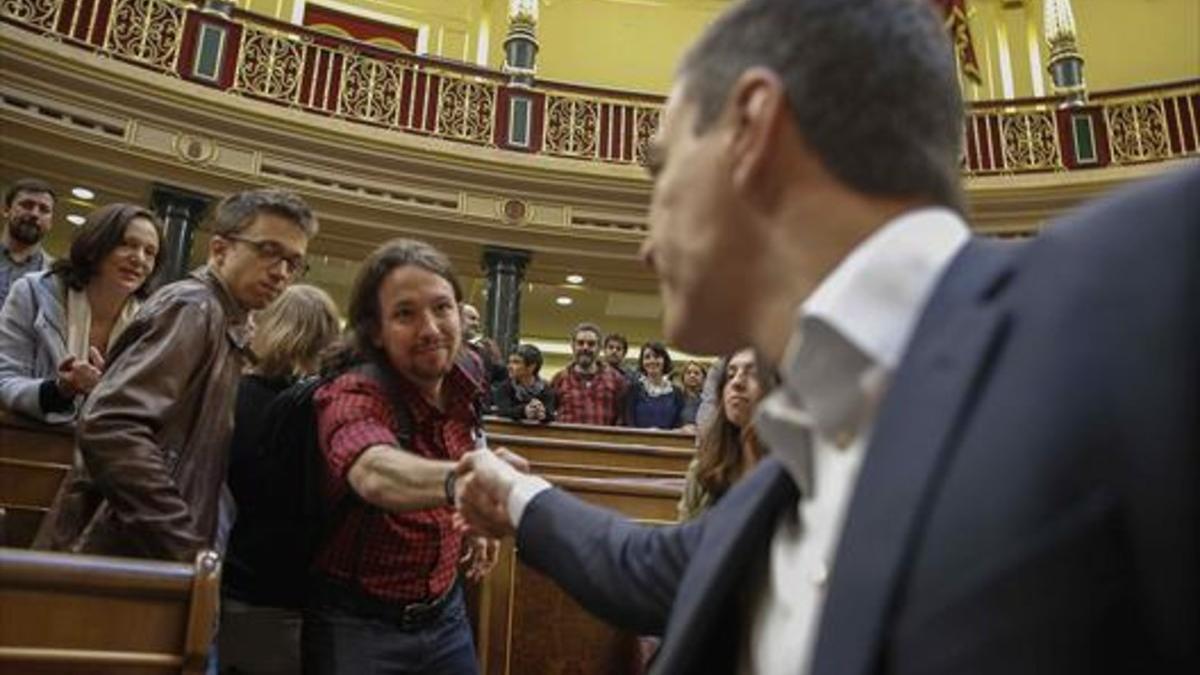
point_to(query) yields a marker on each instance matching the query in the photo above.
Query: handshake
(484, 481)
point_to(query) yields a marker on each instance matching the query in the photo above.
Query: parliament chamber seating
(64, 613)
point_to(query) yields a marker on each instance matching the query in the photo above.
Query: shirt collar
(875, 296)
(851, 334)
(33, 256)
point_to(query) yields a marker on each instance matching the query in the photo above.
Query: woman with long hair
(57, 326)
(728, 447)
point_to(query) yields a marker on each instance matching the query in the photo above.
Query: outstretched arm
(625, 573)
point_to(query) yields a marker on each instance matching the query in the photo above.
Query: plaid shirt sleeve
(353, 414)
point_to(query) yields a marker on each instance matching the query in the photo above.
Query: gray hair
(871, 83)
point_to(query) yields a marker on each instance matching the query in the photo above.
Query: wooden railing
(51, 603)
(62, 613)
(267, 60)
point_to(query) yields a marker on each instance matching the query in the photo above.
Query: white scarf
(79, 323)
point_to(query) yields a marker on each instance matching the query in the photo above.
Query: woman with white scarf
(57, 326)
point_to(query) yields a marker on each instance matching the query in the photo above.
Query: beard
(25, 231)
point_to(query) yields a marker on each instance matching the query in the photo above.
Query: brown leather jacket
(153, 436)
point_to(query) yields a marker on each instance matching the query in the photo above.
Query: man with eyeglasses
(154, 432)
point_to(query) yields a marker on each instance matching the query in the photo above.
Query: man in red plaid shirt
(391, 428)
(588, 390)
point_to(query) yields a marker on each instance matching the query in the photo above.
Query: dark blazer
(1028, 502)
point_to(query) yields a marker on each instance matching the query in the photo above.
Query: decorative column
(505, 269)
(521, 45)
(1066, 63)
(180, 212)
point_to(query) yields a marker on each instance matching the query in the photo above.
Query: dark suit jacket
(1028, 503)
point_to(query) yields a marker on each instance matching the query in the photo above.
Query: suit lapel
(911, 443)
(736, 535)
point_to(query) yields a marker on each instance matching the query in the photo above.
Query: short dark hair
(660, 349)
(364, 319)
(530, 355)
(617, 337)
(100, 234)
(871, 83)
(34, 185)
(238, 211)
(585, 326)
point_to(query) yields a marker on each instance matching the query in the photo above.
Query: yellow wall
(1124, 43)
(619, 43)
(634, 44)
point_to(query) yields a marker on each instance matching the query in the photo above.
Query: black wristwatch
(448, 485)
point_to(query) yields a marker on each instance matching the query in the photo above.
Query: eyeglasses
(271, 253)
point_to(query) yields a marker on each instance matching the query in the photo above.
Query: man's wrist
(449, 484)
(524, 488)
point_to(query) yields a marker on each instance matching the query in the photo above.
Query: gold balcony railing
(263, 59)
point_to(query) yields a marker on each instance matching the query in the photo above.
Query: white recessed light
(83, 193)
(76, 219)
(563, 300)
(574, 278)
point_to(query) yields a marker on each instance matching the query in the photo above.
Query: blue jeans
(337, 640)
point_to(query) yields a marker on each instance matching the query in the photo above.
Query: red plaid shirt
(400, 557)
(589, 399)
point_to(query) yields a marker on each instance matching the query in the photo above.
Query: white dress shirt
(850, 336)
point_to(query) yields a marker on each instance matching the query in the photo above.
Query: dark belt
(328, 592)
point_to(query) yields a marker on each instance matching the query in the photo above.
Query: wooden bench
(596, 459)
(63, 613)
(34, 459)
(586, 432)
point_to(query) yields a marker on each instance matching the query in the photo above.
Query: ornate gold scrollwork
(646, 127)
(146, 31)
(571, 126)
(271, 64)
(37, 13)
(465, 109)
(1030, 141)
(371, 89)
(1137, 130)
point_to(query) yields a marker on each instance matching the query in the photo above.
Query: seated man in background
(616, 347)
(524, 395)
(28, 216)
(588, 390)
(484, 347)
(386, 594)
(154, 433)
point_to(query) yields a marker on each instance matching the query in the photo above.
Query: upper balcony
(124, 93)
(257, 58)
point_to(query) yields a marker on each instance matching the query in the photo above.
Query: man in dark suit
(984, 456)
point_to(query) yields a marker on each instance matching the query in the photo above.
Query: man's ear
(218, 248)
(759, 107)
